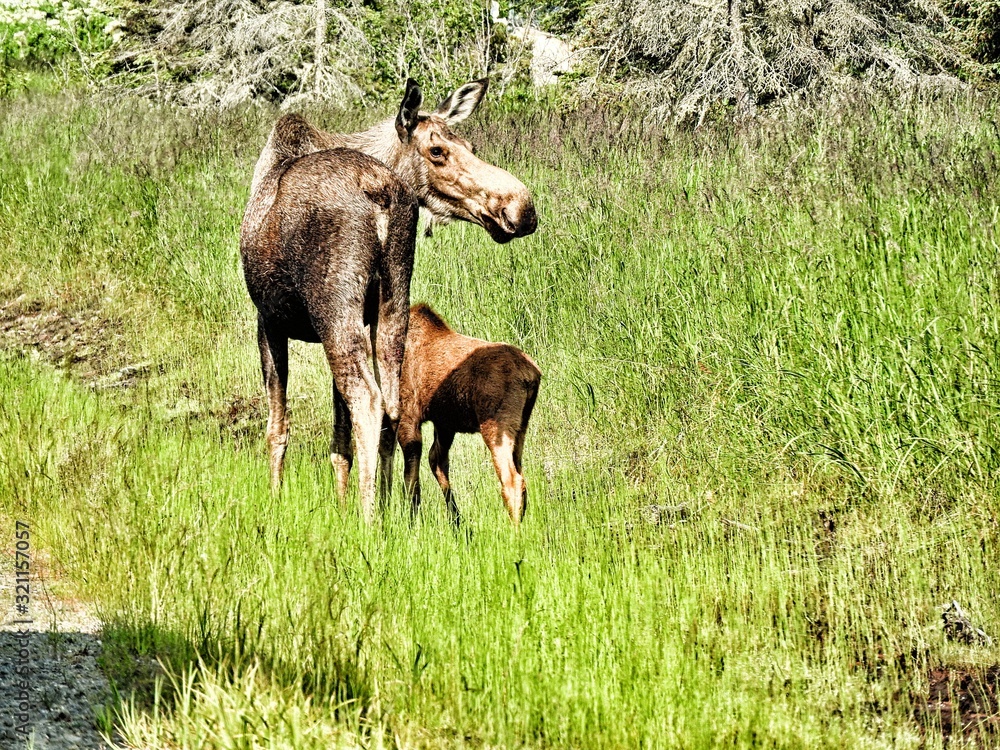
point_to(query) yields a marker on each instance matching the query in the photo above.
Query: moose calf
(461, 384)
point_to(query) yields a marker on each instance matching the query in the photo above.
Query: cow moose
(327, 244)
(462, 384)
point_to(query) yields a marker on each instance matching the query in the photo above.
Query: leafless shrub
(229, 52)
(428, 39)
(682, 57)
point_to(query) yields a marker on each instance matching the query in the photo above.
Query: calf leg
(518, 449)
(274, 367)
(341, 455)
(529, 404)
(438, 458)
(411, 444)
(501, 444)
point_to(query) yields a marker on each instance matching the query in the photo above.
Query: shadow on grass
(149, 667)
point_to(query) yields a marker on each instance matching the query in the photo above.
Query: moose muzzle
(510, 215)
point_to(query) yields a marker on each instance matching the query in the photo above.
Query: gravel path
(64, 685)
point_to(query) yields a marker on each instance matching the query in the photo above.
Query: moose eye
(436, 152)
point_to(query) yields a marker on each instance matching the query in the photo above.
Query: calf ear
(463, 101)
(406, 120)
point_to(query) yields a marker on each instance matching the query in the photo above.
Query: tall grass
(790, 330)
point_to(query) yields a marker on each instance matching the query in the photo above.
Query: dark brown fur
(462, 384)
(327, 244)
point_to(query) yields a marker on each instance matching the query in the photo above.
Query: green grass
(786, 329)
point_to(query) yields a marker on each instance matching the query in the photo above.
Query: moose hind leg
(438, 459)
(355, 380)
(501, 445)
(518, 450)
(341, 455)
(274, 368)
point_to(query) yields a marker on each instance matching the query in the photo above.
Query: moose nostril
(509, 225)
(518, 218)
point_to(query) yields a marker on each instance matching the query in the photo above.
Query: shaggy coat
(462, 384)
(327, 244)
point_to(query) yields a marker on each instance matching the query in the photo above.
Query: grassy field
(766, 449)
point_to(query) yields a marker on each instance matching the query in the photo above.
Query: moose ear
(463, 101)
(406, 120)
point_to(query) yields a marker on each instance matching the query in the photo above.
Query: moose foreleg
(341, 455)
(438, 459)
(274, 368)
(393, 323)
(386, 449)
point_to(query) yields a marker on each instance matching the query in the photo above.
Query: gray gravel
(65, 685)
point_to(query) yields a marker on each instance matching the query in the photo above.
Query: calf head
(447, 176)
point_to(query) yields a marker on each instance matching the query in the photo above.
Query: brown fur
(462, 384)
(441, 168)
(327, 245)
